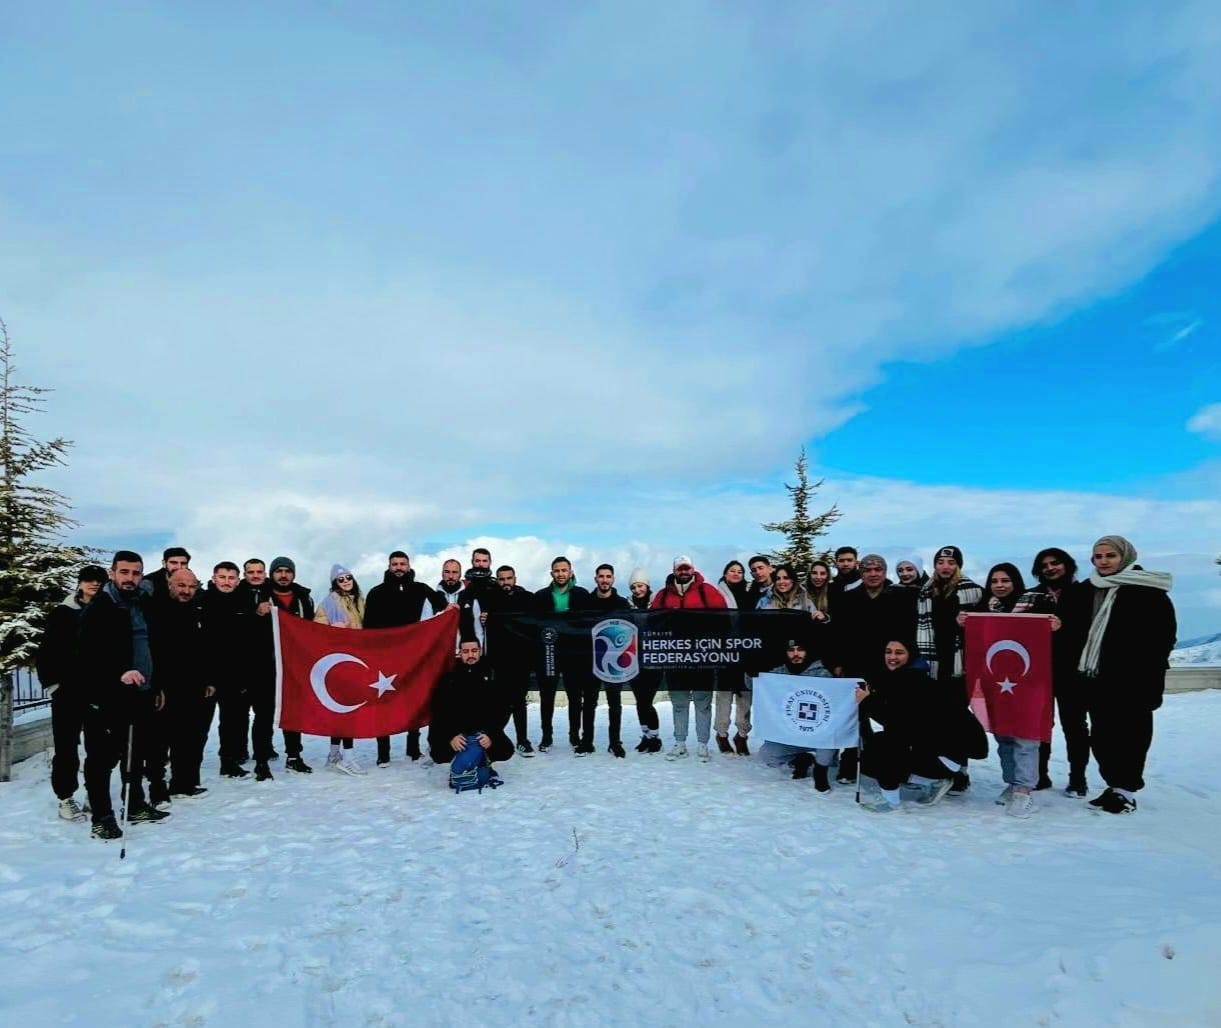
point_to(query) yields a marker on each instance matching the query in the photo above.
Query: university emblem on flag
(808, 710)
(616, 650)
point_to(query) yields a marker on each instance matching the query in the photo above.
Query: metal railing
(27, 691)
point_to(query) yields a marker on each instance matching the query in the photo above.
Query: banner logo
(616, 650)
(808, 710)
(550, 639)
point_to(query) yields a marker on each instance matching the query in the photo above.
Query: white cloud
(1207, 421)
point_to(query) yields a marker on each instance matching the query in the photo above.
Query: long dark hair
(819, 594)
(1019, 587)
(1070, 565)
(739, 589)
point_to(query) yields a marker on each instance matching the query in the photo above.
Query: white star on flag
(1007, 686)
(384, 684)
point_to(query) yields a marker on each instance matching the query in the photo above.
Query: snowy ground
(595, 891)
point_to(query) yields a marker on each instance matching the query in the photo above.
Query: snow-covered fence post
(6, 725)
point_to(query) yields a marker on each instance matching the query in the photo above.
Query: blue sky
(332, 280)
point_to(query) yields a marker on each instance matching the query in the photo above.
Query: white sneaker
(427, 761)
(701, 751)
(1003, 799)
(350, 766)
(70, 811)
(334, 756)
(1020, 805)
(677, 752)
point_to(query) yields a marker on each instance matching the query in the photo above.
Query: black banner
(616, 647)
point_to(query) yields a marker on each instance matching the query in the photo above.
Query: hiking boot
(106, 829)
(1116, 803)
(702, 752)
(801, 764)
(69, 810)
(1021, 804)
(677, 752)
(960, 783)
(847, 768)
(617, 749)
(934, 793)
(232, 770)
(1077, 787)
(740, 747)
(1005, 796)
(262, 773)
(524, 749)
(146, 815)
(723, 744)
(821, 778)
(643, 746)
(298, 765)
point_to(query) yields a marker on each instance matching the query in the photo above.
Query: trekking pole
(860, 751)
(125, 792)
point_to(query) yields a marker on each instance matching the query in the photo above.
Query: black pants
(589, 711)
(106, 737)
(292, 743)
(190, 723)
(515, 684)
(644, 688)
(155, 751)
(238, 737)
(234, 704)
(546, 695)
(1120, 735)
(67, 724)
(501, 748)
(1071, 703)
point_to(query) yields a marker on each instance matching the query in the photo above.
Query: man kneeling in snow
(468, 703)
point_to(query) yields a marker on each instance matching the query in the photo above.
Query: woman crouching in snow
(343, 607)
(912, 732)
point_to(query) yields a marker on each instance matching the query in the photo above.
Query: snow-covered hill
(1202, 651)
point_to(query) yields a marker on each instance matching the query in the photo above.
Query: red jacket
(699, 596)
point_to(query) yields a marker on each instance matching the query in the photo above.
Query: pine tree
(801, 530)
(36, 569)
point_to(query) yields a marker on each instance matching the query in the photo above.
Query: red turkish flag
(1008, 671)
(363, 683)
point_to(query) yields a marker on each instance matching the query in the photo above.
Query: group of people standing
(139, 665)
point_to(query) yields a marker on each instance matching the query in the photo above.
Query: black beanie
(950, 551)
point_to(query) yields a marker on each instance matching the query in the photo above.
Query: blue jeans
(1019, 761)
(681, 700)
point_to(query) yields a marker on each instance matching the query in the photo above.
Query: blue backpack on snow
(470, 769)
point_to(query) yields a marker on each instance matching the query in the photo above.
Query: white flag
(801, 710)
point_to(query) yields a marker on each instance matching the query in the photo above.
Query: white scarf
(1092, 653)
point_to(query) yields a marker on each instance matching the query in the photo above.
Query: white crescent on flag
(1000, 646)
(317, 679)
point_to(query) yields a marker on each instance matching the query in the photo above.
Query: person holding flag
(1009, 673)
(1125, 622)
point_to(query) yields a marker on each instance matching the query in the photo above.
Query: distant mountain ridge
(1204, 650)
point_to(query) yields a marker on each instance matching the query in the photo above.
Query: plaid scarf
(969, 594)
